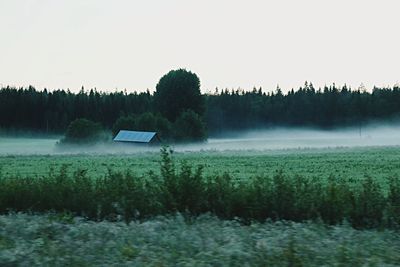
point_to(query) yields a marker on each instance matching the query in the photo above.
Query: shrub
(337, 201)
(369, 204)
(190, 127)
(123, 123)
(393, 211)
(81, 131)
(144, 122)
(184, 189)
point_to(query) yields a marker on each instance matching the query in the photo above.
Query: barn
(137, 137)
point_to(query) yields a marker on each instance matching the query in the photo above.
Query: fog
(257, 140)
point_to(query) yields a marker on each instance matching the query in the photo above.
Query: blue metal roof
(134, 136)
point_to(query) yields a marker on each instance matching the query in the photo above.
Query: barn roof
(134, 136)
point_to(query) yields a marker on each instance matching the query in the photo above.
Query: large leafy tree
(177, 91)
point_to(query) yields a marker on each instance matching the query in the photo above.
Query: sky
(131, 44)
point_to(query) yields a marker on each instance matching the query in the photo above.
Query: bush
(393, 211)
(186, 190)
(189, 127)
(164, 128)
(123, 123)
(83, 131)
(144, 122)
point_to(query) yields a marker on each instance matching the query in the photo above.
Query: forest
(51, 111)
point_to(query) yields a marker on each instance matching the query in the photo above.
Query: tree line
(326, 107)
(52, 111)
(331, 106)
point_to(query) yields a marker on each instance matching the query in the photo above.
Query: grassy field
(348, 163)
(358, 184)
(316, 189)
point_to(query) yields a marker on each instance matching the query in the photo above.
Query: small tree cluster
(178, 98)
(144, 122)
(179, 108)
(83, 131)
(188, 126)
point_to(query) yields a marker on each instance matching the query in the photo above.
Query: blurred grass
(32, 240)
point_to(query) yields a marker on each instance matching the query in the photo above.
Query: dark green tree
(164, 128)
(123, 123)
(189, 127)
(154, 122)
(83, 131)
(146, 122)
(177, 91)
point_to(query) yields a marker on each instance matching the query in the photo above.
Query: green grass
(355, 163)
(323, 192)
(366, 202)
(55, 240)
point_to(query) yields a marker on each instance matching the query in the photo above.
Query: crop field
(342, 163)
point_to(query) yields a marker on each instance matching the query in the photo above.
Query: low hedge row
(186, 190)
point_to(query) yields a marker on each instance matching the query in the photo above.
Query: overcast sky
(130, 44)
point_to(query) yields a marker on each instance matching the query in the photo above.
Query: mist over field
(302, 138)
(259, 140)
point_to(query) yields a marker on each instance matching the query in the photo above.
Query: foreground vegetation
(334, 207)
(61, 240)
(118, 195)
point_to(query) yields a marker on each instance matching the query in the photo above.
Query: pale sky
(130, 44)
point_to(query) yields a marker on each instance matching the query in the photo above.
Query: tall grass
(54, 240)
(184, 189)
